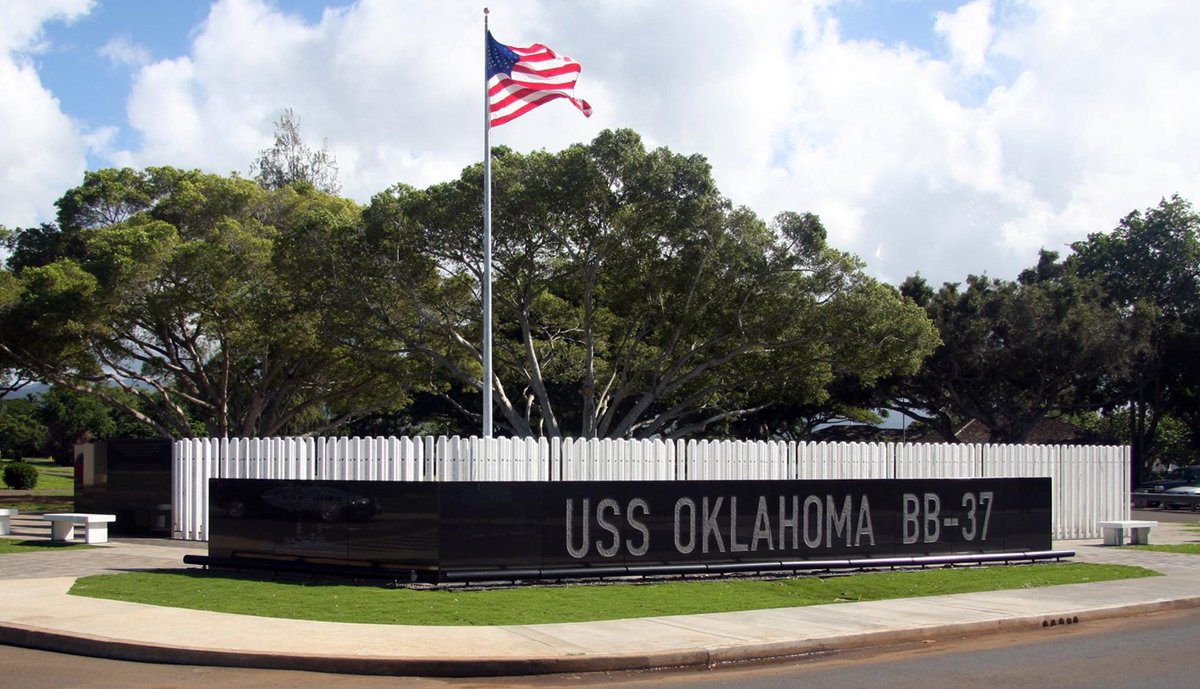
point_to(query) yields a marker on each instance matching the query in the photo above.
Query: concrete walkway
(35, 611)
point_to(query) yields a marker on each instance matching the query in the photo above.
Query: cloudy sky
(938, 136)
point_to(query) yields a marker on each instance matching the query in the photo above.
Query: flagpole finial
(485, 10)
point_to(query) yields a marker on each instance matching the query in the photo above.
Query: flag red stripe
(550, 72)
(523, 94)
(519, 111)
(532, 101)
(542, 85)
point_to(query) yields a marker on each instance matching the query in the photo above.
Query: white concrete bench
(1139, 532)
(95, 526)
(6, 515)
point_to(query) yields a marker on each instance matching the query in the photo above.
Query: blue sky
(893, 21)
(95, 88)
(934, 136)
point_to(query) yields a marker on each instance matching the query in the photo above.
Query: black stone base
(582, 573)
(469, 531)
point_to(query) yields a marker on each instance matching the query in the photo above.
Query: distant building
(1045, 432)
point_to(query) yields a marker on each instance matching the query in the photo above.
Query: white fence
(1090, 483)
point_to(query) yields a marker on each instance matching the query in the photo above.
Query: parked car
(1176, 477)
(1191, 489)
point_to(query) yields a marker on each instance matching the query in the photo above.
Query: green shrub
(20, 476)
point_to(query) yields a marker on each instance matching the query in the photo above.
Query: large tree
(1150, 268)
(201, 296)
(631, 298)
(12, 375)
(1014, 352)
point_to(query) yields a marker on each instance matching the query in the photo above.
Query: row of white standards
(1091, 483)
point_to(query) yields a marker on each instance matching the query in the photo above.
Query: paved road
(1163, 514)
(1148, 652)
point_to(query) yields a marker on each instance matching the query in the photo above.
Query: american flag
(520, 79)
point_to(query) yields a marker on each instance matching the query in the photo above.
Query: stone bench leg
(5, 525)
(96, 533)
(62, 531)
(1113, 535)
(1139, 535)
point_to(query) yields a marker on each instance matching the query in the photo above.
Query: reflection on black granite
(327, 503)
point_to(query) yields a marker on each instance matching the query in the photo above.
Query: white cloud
(1099, 122)
(21, 21)
(1049, 120)
(1031, 124)
(396, 88)
(382, 82)
(42, 151)
(968, 34)
(122, 51)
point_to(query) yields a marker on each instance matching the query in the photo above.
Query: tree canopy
(631, 298)
(1111, 328)
(1014, 352)
(1149, 266)
(195, 293)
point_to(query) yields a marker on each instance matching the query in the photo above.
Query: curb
(698, 658)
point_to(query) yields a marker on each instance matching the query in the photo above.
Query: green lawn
(55, 490)
(314, 600)
(1185, 548)
(9, 546)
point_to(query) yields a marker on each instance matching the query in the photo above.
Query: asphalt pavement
(36, 611)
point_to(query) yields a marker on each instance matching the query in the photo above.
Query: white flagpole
(487, 243)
